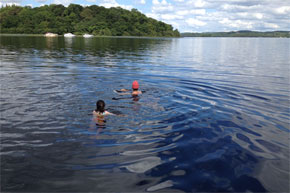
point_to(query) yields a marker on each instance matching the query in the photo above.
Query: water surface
(214, 115)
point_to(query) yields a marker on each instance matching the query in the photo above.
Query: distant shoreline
(183, 35)
(77, 36)
(254, 34)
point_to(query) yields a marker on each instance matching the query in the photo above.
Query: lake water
(214, 115)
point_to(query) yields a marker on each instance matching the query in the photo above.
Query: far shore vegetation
(245, 33)
(79, 20)
(99, 21)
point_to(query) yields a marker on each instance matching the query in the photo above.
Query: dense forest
(96, 20)
(285, 34)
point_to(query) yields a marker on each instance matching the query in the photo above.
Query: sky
(197, 15)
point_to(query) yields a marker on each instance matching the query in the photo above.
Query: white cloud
(271, 25)
(283, 10)
(153, 15)
(215, 15)
(91, 1)
(40, 1)
(170, 17)
(249, 16)
(197, 3)
(182, 12)
(143, 2)
(164, 2)
(200, 3)
(237, 24)
(63, 2)
(198, 11)
(162, 7)
(190, 12)
(259, 15)
(113, 3)
(9, 2)
(161, 4)
(195, 22)
(155, 2)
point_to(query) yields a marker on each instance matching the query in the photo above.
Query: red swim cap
(135, 85)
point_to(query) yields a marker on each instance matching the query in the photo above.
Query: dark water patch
(246, 183)
(270, 146)
(220, 169)
(244, 138)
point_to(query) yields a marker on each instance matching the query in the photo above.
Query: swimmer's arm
(122, 91)
(108, 113)
(119, 115)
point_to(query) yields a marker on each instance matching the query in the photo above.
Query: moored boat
(50, 34)
(69, 35)
(87, 35)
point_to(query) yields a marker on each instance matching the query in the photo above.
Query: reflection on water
(143, 165)
(214, 115)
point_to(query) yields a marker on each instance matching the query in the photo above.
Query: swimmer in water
(99, 113)
(135, 90)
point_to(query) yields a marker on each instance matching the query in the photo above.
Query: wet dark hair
(100, 106)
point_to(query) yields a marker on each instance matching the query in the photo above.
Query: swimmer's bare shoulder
(135, 93)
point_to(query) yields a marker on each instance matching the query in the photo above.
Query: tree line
(76, 19)
(245, 33)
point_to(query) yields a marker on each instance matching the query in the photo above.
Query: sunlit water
(214, 115)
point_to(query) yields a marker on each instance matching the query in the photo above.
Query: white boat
(87, 35)
(69, 35)
(50, 34)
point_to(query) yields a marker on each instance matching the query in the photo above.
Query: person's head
(135, 85)
(100, 106)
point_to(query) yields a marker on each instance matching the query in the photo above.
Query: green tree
(87, 14)
(77, 19)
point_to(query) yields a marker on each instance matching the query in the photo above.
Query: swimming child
(100, 112)
(135, 90)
